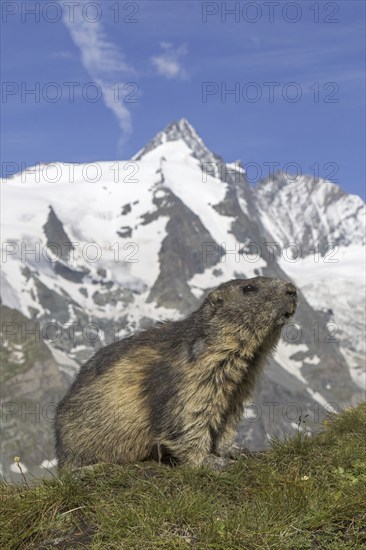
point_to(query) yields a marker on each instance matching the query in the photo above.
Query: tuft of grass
(304, 493)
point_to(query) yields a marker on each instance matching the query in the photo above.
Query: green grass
(305, 493)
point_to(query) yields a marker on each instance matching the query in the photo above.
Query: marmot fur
(178, 387)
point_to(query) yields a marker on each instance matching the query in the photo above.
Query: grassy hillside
(303, 493)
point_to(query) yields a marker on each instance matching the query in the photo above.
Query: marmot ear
(216, 297)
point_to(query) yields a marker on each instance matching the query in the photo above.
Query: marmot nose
(291, 290)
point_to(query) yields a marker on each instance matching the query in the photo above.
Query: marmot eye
(249, 288)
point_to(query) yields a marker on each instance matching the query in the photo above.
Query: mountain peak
(181, 128)
(184, 131)
(304, 209)
(301, 184)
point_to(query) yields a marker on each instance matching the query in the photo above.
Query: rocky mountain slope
(92, 252)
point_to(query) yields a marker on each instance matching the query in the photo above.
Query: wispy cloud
(168, 63)
(104, 62)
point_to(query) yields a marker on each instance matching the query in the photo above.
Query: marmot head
(260, 304)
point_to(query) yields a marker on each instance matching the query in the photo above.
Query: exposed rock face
(137, 249)
(57, 239)
(31, 385)
(180, 255)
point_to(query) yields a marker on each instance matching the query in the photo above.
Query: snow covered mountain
(91, 252)
(308, 211)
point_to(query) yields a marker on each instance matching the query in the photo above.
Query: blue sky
(297, 70)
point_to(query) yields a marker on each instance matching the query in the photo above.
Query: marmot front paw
(217, 462)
